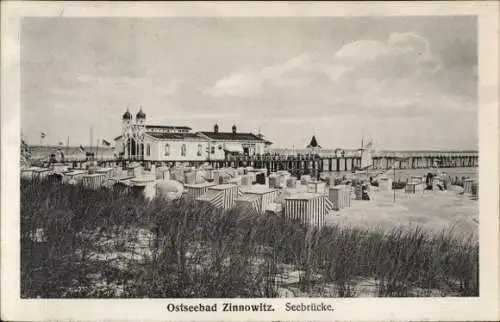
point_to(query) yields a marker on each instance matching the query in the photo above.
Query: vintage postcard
(250, 161)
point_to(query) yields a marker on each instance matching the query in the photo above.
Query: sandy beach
(434, 211)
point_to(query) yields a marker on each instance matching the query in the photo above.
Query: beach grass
(82, 243)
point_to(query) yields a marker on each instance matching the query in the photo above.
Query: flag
(105, 143)
(42, 135)
(82, 148)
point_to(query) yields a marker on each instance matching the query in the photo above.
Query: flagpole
(97, 149)
(91, 139)
(394, 183)
(67, 146)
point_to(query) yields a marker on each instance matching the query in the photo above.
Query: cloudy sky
(406, 83)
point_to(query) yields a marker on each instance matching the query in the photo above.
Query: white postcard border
(485, 307)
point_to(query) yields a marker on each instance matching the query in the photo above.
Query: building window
(199, 150)
(167, 150)
(183, 150)
(213, 150)
(148, 149)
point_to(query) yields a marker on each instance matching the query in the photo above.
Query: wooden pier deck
(306, 164)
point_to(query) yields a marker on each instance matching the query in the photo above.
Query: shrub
(109, 244)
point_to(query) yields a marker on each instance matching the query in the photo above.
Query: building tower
(126, 120)
(133, 134)
(126, 126)
(140, 117)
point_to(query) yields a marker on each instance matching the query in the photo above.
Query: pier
(306, 164)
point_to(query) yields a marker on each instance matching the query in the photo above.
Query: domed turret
(140, 115)
(127, 115)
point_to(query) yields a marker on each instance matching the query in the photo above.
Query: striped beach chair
(309, 208)
(328, 205)
(196, 190)
(213, 198)
(265, 196)
(228, 193)
(250, 201)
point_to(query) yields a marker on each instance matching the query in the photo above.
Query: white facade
(192, 149)
(183, 149)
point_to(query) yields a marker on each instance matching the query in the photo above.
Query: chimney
(216, 128)
(234, 129)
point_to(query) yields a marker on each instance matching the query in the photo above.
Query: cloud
(290, 78)
(359, 52)
(402, 55)
(391, 87)
(393, 79)
(408, 42)
(246, 84)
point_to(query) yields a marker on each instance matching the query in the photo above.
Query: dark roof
(173, 136)
(140, 114)
(168, 127)
(118, 137)
(314, 143)
(127, 115)
(228, 136)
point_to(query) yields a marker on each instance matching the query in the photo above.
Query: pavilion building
(178, 143)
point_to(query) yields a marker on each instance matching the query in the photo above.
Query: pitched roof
(220, 136)
(162, 127)
(173, 136)
(230, 136)
(168, 127)
(314, 143)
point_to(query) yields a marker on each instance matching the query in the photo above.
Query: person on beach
(446, 181)
(364, 193)
(52, 158)
(428, 181)
(61, 156)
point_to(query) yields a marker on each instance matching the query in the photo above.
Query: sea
(39, 152)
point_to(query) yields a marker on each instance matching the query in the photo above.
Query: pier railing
(307, 163)
(296, 157)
